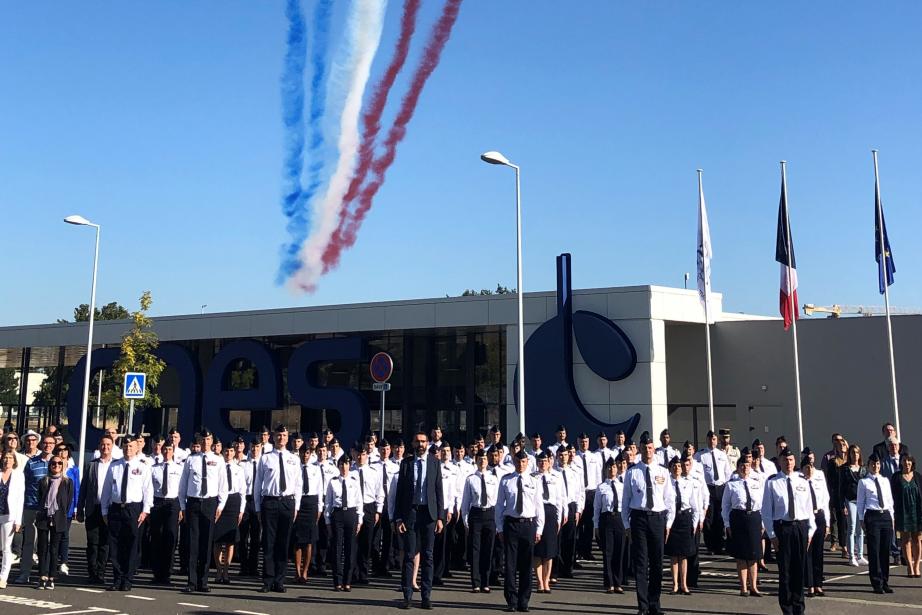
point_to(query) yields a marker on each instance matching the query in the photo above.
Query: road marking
(856, 574)
(93, 609)
(88, 590)
(874, 603)
(193, 605)
(40, 604)
(250, 613)
(139, 597)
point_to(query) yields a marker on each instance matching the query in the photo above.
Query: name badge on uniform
(659, 480)
(136, 472)
(801, 488)
(290, 461)
(212, 463)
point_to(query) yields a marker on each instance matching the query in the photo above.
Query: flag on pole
(784, 254)
(880, 229)
(704, 253)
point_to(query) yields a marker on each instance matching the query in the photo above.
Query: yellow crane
(835, 310)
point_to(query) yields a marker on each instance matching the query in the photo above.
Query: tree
(9, 386)
(137, 355)
(500, 290)
(110, 311)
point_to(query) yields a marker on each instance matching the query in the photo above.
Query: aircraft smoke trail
(292, 83)
(363, 31)
(346, 233)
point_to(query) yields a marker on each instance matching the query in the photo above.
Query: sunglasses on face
(56, 463)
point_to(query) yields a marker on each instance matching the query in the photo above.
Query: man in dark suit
(419, 514)
(89, 512)
(882, 449)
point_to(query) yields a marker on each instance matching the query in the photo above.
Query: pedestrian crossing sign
(134, 386)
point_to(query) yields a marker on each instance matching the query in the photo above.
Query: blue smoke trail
(295, 199)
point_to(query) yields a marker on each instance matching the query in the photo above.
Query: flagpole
(707, 314)
(883, 265)
(787, 221)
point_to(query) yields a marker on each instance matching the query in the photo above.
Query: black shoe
(204, 589)
(524, 609)
(188, 589)
(510, 608)
(126, 586)
(114, 587)
(279, 588)
(888, 589)
(426, 605)
(264, 589)
(878, 590)
(404, 604)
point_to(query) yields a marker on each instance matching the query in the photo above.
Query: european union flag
(880, 231)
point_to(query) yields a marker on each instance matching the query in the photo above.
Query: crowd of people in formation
(289, 508)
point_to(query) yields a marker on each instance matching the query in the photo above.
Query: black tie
(203, 487)
(812, 495)
(678, 498)
(345, 495)
(305, 481)
(520, 498)
(283, 483)
(880, 495)
(124, 490)
(164, 484)
(547, 492)
(648, 503)
(419, 480)
(790, 500)
(483, 491)
(229, 479)
(253, 480)
(566, 484)
(362, 483)
(748, 496)
(614, 496)
(585, 472)
(384, 479)
(714, 461)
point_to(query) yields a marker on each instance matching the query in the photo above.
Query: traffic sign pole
(383, 393)
(130, 416)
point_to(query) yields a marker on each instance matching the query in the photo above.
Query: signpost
(381, 369)
(134, 387)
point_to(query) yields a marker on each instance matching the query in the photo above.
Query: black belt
(165, 499)
(797, 522)
(519, 519)
(648, 513)
(127, 504)
(481, 508)
(876, 512)
(745, 512)
(274, 498)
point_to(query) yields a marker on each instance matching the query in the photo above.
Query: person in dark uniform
(576, 498)
(717, 471)
(305, 531)
(681, 543)
(343, 514)
(384, 536)
(554, 500)
(250, 527)
(606, 519)
(647, 512)
(478, 500)
(278, 482)
(226, 531)
(875, 513)
(819, 496)
(740, 510)
(419, 513)
(323, 551)
(164, 516)
(127, 497)
(589, 465)
(372, 495)
(202, 493)
(90, 513)
(787, 516)
(519, 518)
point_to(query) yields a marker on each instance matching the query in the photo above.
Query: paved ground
(848, 592)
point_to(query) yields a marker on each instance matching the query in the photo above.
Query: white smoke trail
(363, 35)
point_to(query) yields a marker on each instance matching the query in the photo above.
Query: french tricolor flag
(784, 254)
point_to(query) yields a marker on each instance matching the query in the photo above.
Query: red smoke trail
(345, 234)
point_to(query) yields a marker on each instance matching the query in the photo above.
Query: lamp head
(493, 157)
(78, 220)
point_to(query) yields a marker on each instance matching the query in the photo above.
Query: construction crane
(835, 310)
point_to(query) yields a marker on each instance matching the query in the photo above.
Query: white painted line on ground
(193, 605)
(39, 604)
(92, 609)
(856, 574)
(250, 613)
(139, 597)
(89, 590)
(873, 603)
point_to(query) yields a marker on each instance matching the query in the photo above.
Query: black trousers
(124, 537)
(585, 530)
(250, 538)
(164, 534)
(97, 546)
(199, 518)
(879, 531)
(49, 539)
(694, 569)
(714, 522)
(419, 538)
(277, 519)
(457, 545)
(814, 570)
(614, 551)
(28, 544)
(481, 534)
(648, 535)
(382, 545)
(519, 546)
(440, 553)
(365, 543)
(791, 556)
(563, 563)
(342, 530)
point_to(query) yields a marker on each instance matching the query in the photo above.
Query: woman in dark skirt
(681, 544)
(226, 529)
(609, 529)
(553, 496)
(306, 528)
(741, 510)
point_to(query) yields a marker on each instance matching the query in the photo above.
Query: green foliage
(110, 311)
(500, 290)
(137, 355)
(9, 386)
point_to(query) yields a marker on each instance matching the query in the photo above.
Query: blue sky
(161, 121)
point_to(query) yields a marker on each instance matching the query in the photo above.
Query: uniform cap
(724, 431)
(521, 455)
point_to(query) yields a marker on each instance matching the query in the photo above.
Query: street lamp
(81, 221)
(493, 157)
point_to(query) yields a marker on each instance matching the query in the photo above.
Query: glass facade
(451, 377)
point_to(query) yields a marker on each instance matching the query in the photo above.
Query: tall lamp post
(497, 158)
(81, 221)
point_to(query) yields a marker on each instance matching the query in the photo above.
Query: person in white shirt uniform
(560, 440)
(519, 518)
(456, 541)
(127, 497)
(450, 481)
(265, 436)
(681, 543)
(226, 532)
(202, 495)
(278, 499)
(305, 530)
(589, 465)
(554, 499)
(179, 453)
(164, 516)
(609, 529)
(478, 500)
(343, 516)
(382, 552)
(647, 512)
(602, 449)
(323, 550)
(536, 445)
(740, 510)
(576, 501)
(372, 497)
(762, 467)
(717, 472)
(666, 452)
(875, 513)
(819, 497)
(787, 516)
(619, 444)
(692, 469)
(250, 527)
